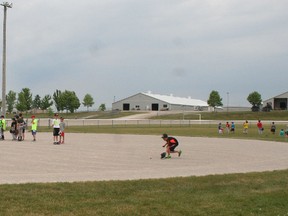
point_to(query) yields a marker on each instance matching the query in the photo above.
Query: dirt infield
(93, 157)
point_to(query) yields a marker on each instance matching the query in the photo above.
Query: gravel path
(94, 157)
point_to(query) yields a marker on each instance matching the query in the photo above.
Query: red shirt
(172, 141)
(259, 125)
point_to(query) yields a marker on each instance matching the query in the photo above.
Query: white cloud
(119, 48)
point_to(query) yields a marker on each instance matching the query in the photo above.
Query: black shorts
(172, 148)
(56, 131)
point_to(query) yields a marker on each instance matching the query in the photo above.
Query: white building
(156, 102)
(278, 102)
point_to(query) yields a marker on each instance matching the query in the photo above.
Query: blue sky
(117, 48)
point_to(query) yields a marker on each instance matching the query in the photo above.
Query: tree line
(62, 100)
(253, 98)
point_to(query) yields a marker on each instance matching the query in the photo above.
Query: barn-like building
(278, 102)
(157, 102)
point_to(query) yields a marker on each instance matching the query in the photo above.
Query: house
(157, 102)
(278, 102)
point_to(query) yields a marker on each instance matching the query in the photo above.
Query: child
(62, 128)
(273, 128)
(13, 129)
(171, 144)
(228, 127)
(56, 129)
(232, 127)
(245, 127)
(282, 133)
(34, 125)
(220, 129)
(2, 127)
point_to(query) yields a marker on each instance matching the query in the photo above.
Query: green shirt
(34, 124)
(3, 124)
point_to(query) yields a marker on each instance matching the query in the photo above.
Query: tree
(24, 102)
(70, 101)
(36, 102)
(214, 99)
(102, 107)
(11, 100)
(255, 99)
(88, 101)
(46, 102)
(57, 100)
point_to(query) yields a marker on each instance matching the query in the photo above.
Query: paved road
(89, 157)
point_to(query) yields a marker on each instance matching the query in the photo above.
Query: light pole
(5, 5)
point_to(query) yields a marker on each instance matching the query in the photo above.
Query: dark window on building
(126, 106)
(155, 107)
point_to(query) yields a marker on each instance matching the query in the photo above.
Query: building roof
(283, 95)
(178, 100)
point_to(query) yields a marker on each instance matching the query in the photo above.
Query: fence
(146, 122)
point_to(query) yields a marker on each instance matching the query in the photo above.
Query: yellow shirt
(34, 124)
(245, 125)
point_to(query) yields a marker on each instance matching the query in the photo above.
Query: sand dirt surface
(94, 157)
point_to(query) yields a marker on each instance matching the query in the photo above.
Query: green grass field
(235, 194)
(273, 115)
(193, 130)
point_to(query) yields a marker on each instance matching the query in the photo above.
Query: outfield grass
(273, 116)
(83, 115)
(193, 130)
(234, 194)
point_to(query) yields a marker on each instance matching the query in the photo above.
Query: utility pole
(5, 5)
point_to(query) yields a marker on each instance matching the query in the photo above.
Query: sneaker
(168, 157)
(179, 153)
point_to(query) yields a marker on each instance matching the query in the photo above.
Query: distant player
(34, 125)
(171, 144)
(62, 128)
(273, 128)
(56, 129)
(245, 127)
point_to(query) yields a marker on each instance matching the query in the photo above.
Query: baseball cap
(164, 136)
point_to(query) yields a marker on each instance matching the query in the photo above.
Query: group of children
(19, 125)
(231, 128)
(58, 129)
